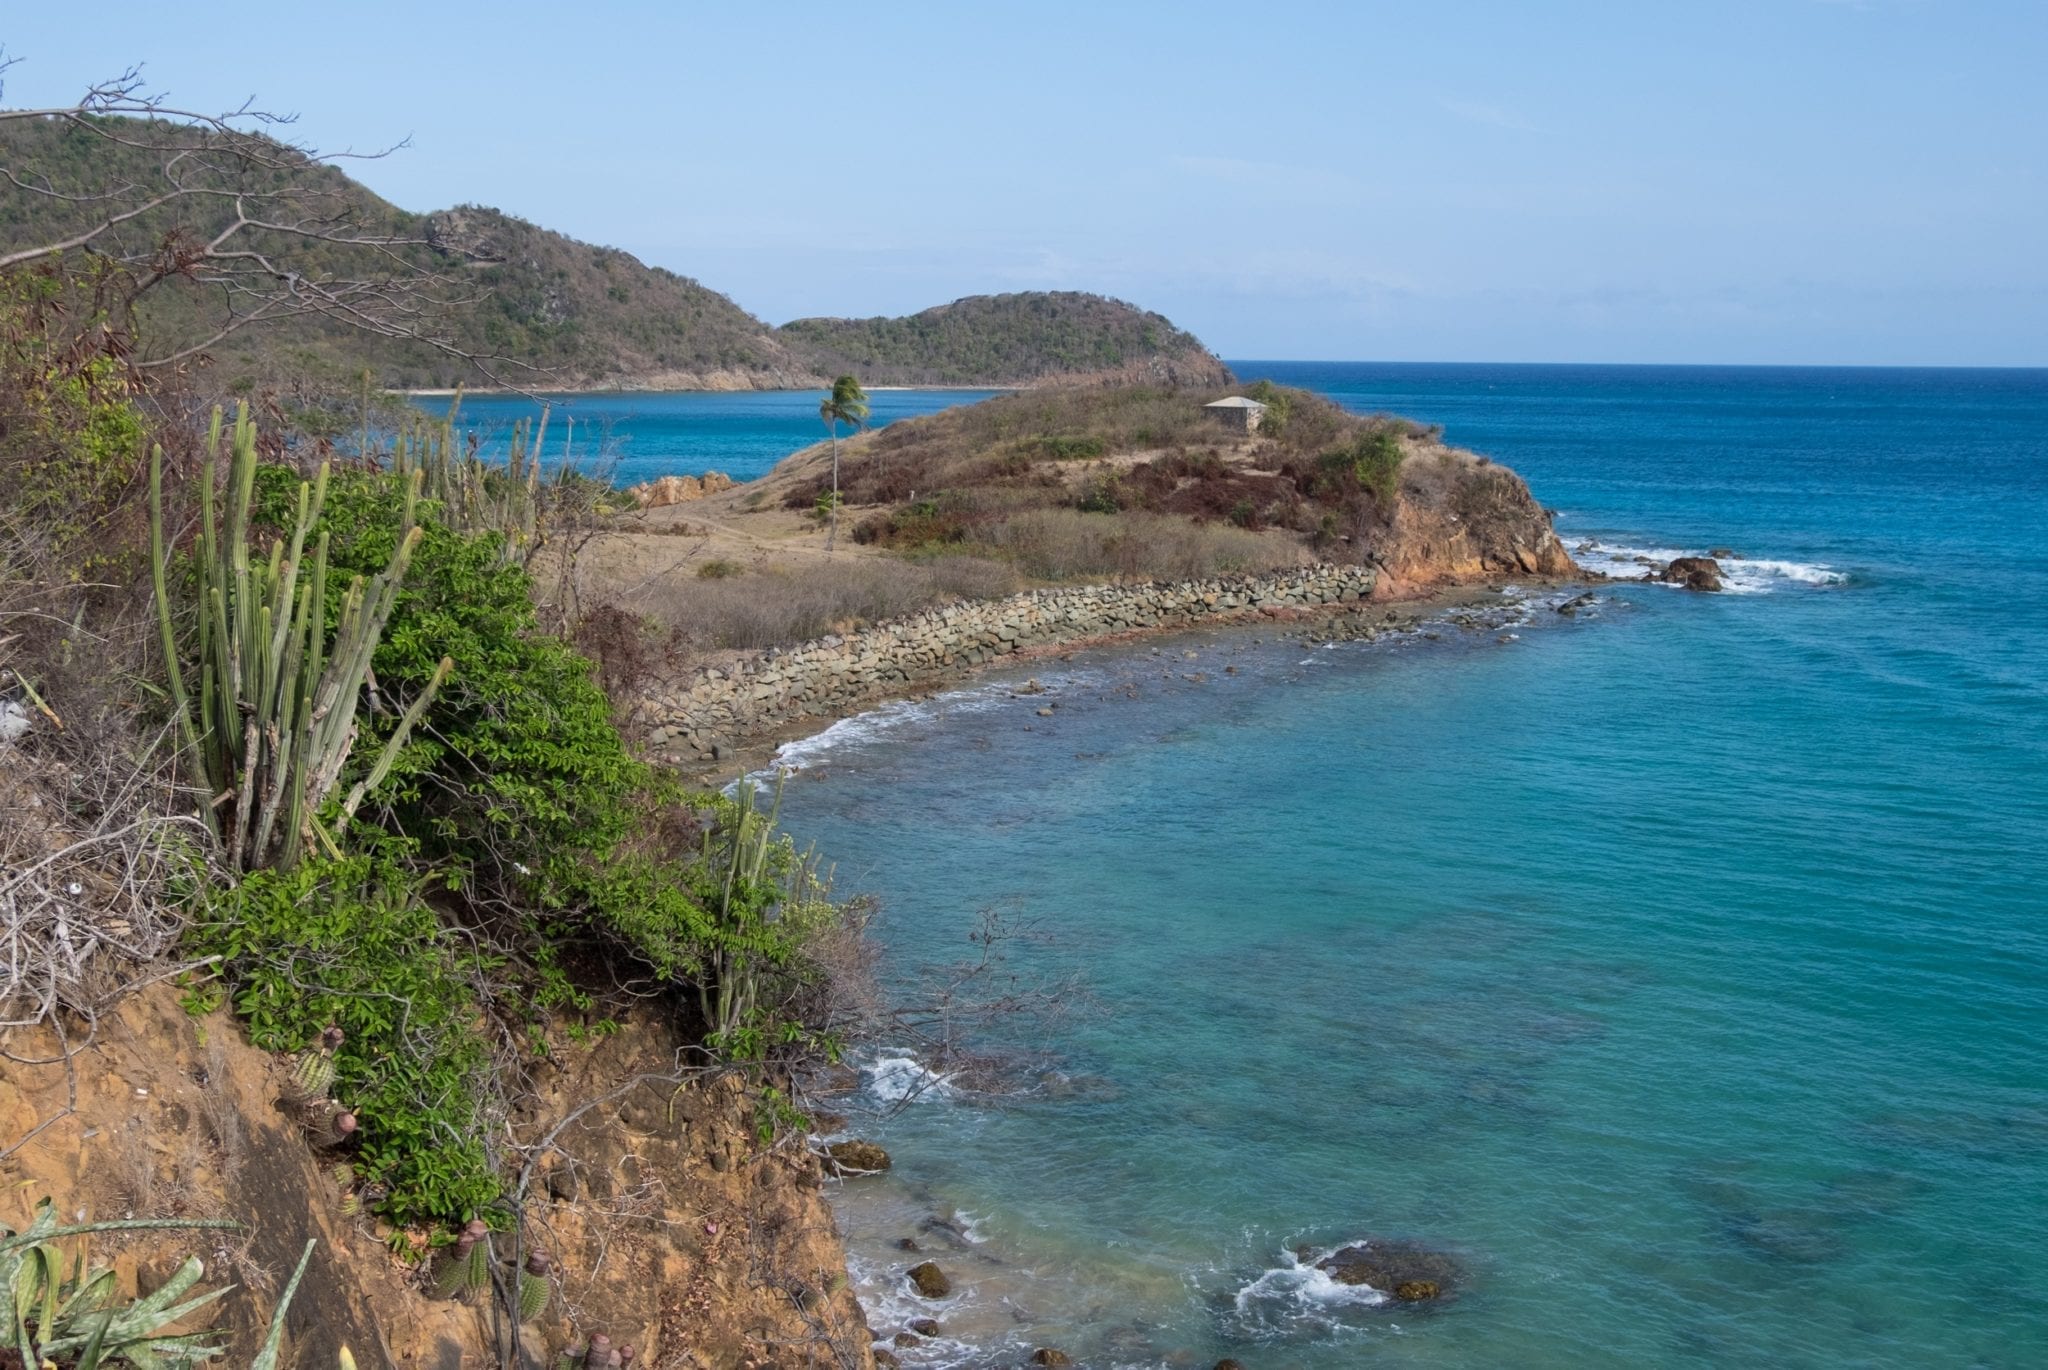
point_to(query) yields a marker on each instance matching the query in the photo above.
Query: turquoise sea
(638, 436)
(1680, 967)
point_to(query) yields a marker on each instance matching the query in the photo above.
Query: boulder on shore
(930, 1281)
(1694, 573)
(1410, 1272)
(664, 491)
(855, 1158)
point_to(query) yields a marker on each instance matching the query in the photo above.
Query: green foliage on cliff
(1008, 340)
(515, 837)
(352, 943)
(71, 441)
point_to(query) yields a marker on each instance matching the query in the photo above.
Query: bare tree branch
(260, 227)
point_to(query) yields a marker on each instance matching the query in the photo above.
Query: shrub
(518, 760)
(350, 942)
(1101, 496)
(718, 568)
(1373, 461)
(1066, 449)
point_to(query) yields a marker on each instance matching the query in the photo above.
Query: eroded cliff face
(1462, 520)
(672, 1230)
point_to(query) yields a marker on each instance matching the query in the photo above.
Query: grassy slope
(589, 316)
(1070, 484)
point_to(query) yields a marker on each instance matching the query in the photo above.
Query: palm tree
(847, 404)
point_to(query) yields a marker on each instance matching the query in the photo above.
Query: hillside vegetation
(546, 310)
(1076, 482)
(1010, 339)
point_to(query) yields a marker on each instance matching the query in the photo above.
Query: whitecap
(1746, 576)
(1739, 575)
(1298, 1285)
(874, 724)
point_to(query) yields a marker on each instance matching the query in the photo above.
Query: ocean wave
(879, 722)
(1739, 575)
(1296, 1294)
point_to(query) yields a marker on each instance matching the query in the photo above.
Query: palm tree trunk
(832, 531)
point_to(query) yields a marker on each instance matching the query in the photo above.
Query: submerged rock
(1694, 573)
(1048, 1355)
(1407, 1270)
(856, 1158)
(1570, 608)
(930, 1281)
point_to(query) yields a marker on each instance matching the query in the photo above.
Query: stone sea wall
(703, 715)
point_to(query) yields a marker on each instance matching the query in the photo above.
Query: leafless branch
(253, 221)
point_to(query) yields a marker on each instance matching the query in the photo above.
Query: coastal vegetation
(302, 721)
(1010, 339)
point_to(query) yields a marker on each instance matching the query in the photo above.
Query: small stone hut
(1237, 413)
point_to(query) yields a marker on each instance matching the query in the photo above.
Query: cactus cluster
(598, 1354)
(274, 717)
(476, 496)
(313, 1068)
(467, 1266)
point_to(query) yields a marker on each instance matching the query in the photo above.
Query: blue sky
(1797, 181)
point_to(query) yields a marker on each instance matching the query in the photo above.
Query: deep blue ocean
(1681, 967)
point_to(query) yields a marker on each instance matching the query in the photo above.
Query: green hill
(553, 312)
(1009, 339)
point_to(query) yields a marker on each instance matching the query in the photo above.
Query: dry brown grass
(793, 603)
(1066, 544)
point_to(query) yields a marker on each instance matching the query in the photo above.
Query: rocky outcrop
(1409, 1271)
(664, 491)
(699, 717)
(856, 1158)
(929, 1281)
(1462, 520)
(1694, 573)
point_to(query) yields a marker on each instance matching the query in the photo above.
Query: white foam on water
(1739, 575)
(900, 1079)
(1759, 576)
(1299, 1285)
(877, 723)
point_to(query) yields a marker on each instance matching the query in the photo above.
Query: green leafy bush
(1066, 449)
(351, 943)
(517, 771)
(1373, 460)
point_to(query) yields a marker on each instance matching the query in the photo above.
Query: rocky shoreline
(721, 722)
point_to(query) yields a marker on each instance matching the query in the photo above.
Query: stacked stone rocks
(701, 717)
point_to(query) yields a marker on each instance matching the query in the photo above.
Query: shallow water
(638, 436)
(1680, 966)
